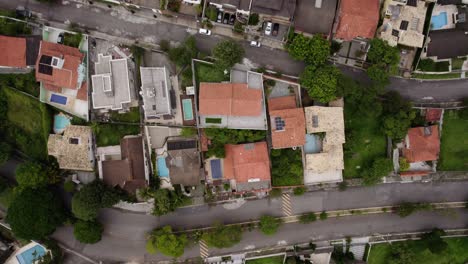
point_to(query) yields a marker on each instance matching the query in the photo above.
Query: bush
(69, 186)
(88, 232)
(238, 27)
(5, 152)
(405, 209)
(323, 215)
(31, 174)
(298, 191)
(164, 240)
(188, 132)
(269, 82)
(269, 225)
(286, 167)
(380, 167)
(254, 19)
(173, 5)
(308, 218)
(211, 13)
(227, 53)
(223, 236)
(404, 164)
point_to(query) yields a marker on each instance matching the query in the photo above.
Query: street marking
(204, 252)
(287, 207)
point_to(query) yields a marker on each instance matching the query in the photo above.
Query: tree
(314, 51)
(35, 213)
(31, 174)
(401, 253)
(227, 53)
(166, 201)
(378, 74)
(89, 232)
(223, 236)
(321, 83)
(434, 241)
(164, 240)
(397, 115)
(361, 99)
(299, 191)
(254, 19)
(308, 218)
(269, 225)
(183, 54)
(380, 167)
(211, 13)
(5, 152)
(381, 52)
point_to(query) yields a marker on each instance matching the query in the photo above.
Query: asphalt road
(130, 26)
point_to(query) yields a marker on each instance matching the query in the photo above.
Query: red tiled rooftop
(67, 76)
(421, 147)
(13, 52)
(83, 92)
(280, 103)
(357, 18)
(246, 162)
(293, 133)
(433, 114)
(234, 99)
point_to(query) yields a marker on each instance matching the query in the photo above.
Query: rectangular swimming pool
(58, 99)
(215, 165)
(187, 109)
(28, 256)
(439, 21)
(163, 171)
(313, 144)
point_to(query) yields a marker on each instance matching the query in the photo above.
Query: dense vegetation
(286, 167)
(221, 136)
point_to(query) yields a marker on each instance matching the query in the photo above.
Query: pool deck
(192, 122)
(451, 11)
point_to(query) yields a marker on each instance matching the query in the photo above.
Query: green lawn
(269, 260)
(131, 117)
(429, 65)
(23, 82)
(454, 143)
(29, 123)
(436, 76)
(456, 252)
(110, 134)
(364, 142)
(208, 73)
(457, 63)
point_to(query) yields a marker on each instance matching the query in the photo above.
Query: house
(233, 6)
(357, 19)
(287, 122)
(111, 84)
(124, 165)
(236, 105)
(433, 114)
(247, 167)
(18, 52)
(274, 10)
(403, 22)
(325, 129)
(73, 149)
(155, 91)
(183, 161)
(315, 16)
(62, 72)
(422, 144)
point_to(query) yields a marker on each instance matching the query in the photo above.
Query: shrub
(69, 186)
(223, 236)
(164, 240)
(299, 191)
(211, 13)
(404, 164)
(323, 215)
(308, 218)
(254, 19)
(269, 225)
(88, 232)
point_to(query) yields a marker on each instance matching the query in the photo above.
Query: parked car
(268, 27)
(226, 18)
(220, 17)
(232, 19)
(61, 38)
(275, 29)
(204, 31)
(21, 11)
(255, 43)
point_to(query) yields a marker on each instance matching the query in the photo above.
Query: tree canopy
(269, 225)
(384, 58)
(397, 115)
(35, 213)
(183, 54)
(321, 83)
(227, 53)
(166, 201)
(166, 242)
(313, 51)
(221, 136)
(401, 254)
(223, 236)
(89, 232)
(380, 167)
(31, 174)
(434, 242)
(5, 152)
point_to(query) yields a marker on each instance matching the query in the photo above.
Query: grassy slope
(208, 73)
(110, 134)
(454, 143)
(269, 260)
(131, 117)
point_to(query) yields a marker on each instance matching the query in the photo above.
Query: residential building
(274, 10)
(315, 16)
(183, 161)
(247, 167)
(73, 149)
(238, 105)
(287, 122)
(124, 165)
(62, 72)
(19, 52)
(357, 19)
(235, 6)
(155, 91)
(403, 22)
(325, 129)
(422, 144)
(111, 84)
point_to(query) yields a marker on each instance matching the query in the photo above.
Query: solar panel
(45, 59)
(395, 33)
(404, 25)
(181, 144)
(279, 123)
(412, 3)
(45, 69)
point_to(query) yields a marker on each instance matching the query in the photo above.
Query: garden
(111, 134)
(429, 65)
(206, 72)
(453, 148)
(133, 116)
(286, 167)
(267, 260)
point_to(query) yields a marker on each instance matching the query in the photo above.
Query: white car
(204, 31)
(268, 28)
(255, 43)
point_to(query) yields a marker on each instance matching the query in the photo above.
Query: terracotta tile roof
(293, 133)
(204, 141)
(53, 88)
(420, 146)
(231, 99)
(67, 76)
(280, 103)
(13, 52)
(246, 163)
(433, 114)
(132, 150)
(83, 92)
(358, 18)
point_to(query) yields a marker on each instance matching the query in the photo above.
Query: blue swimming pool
(439, 21)
(313, 144)
(59, 99)
(187, 108)
(28, 256)
(163, 171)
(60, 123)
(215, 165)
